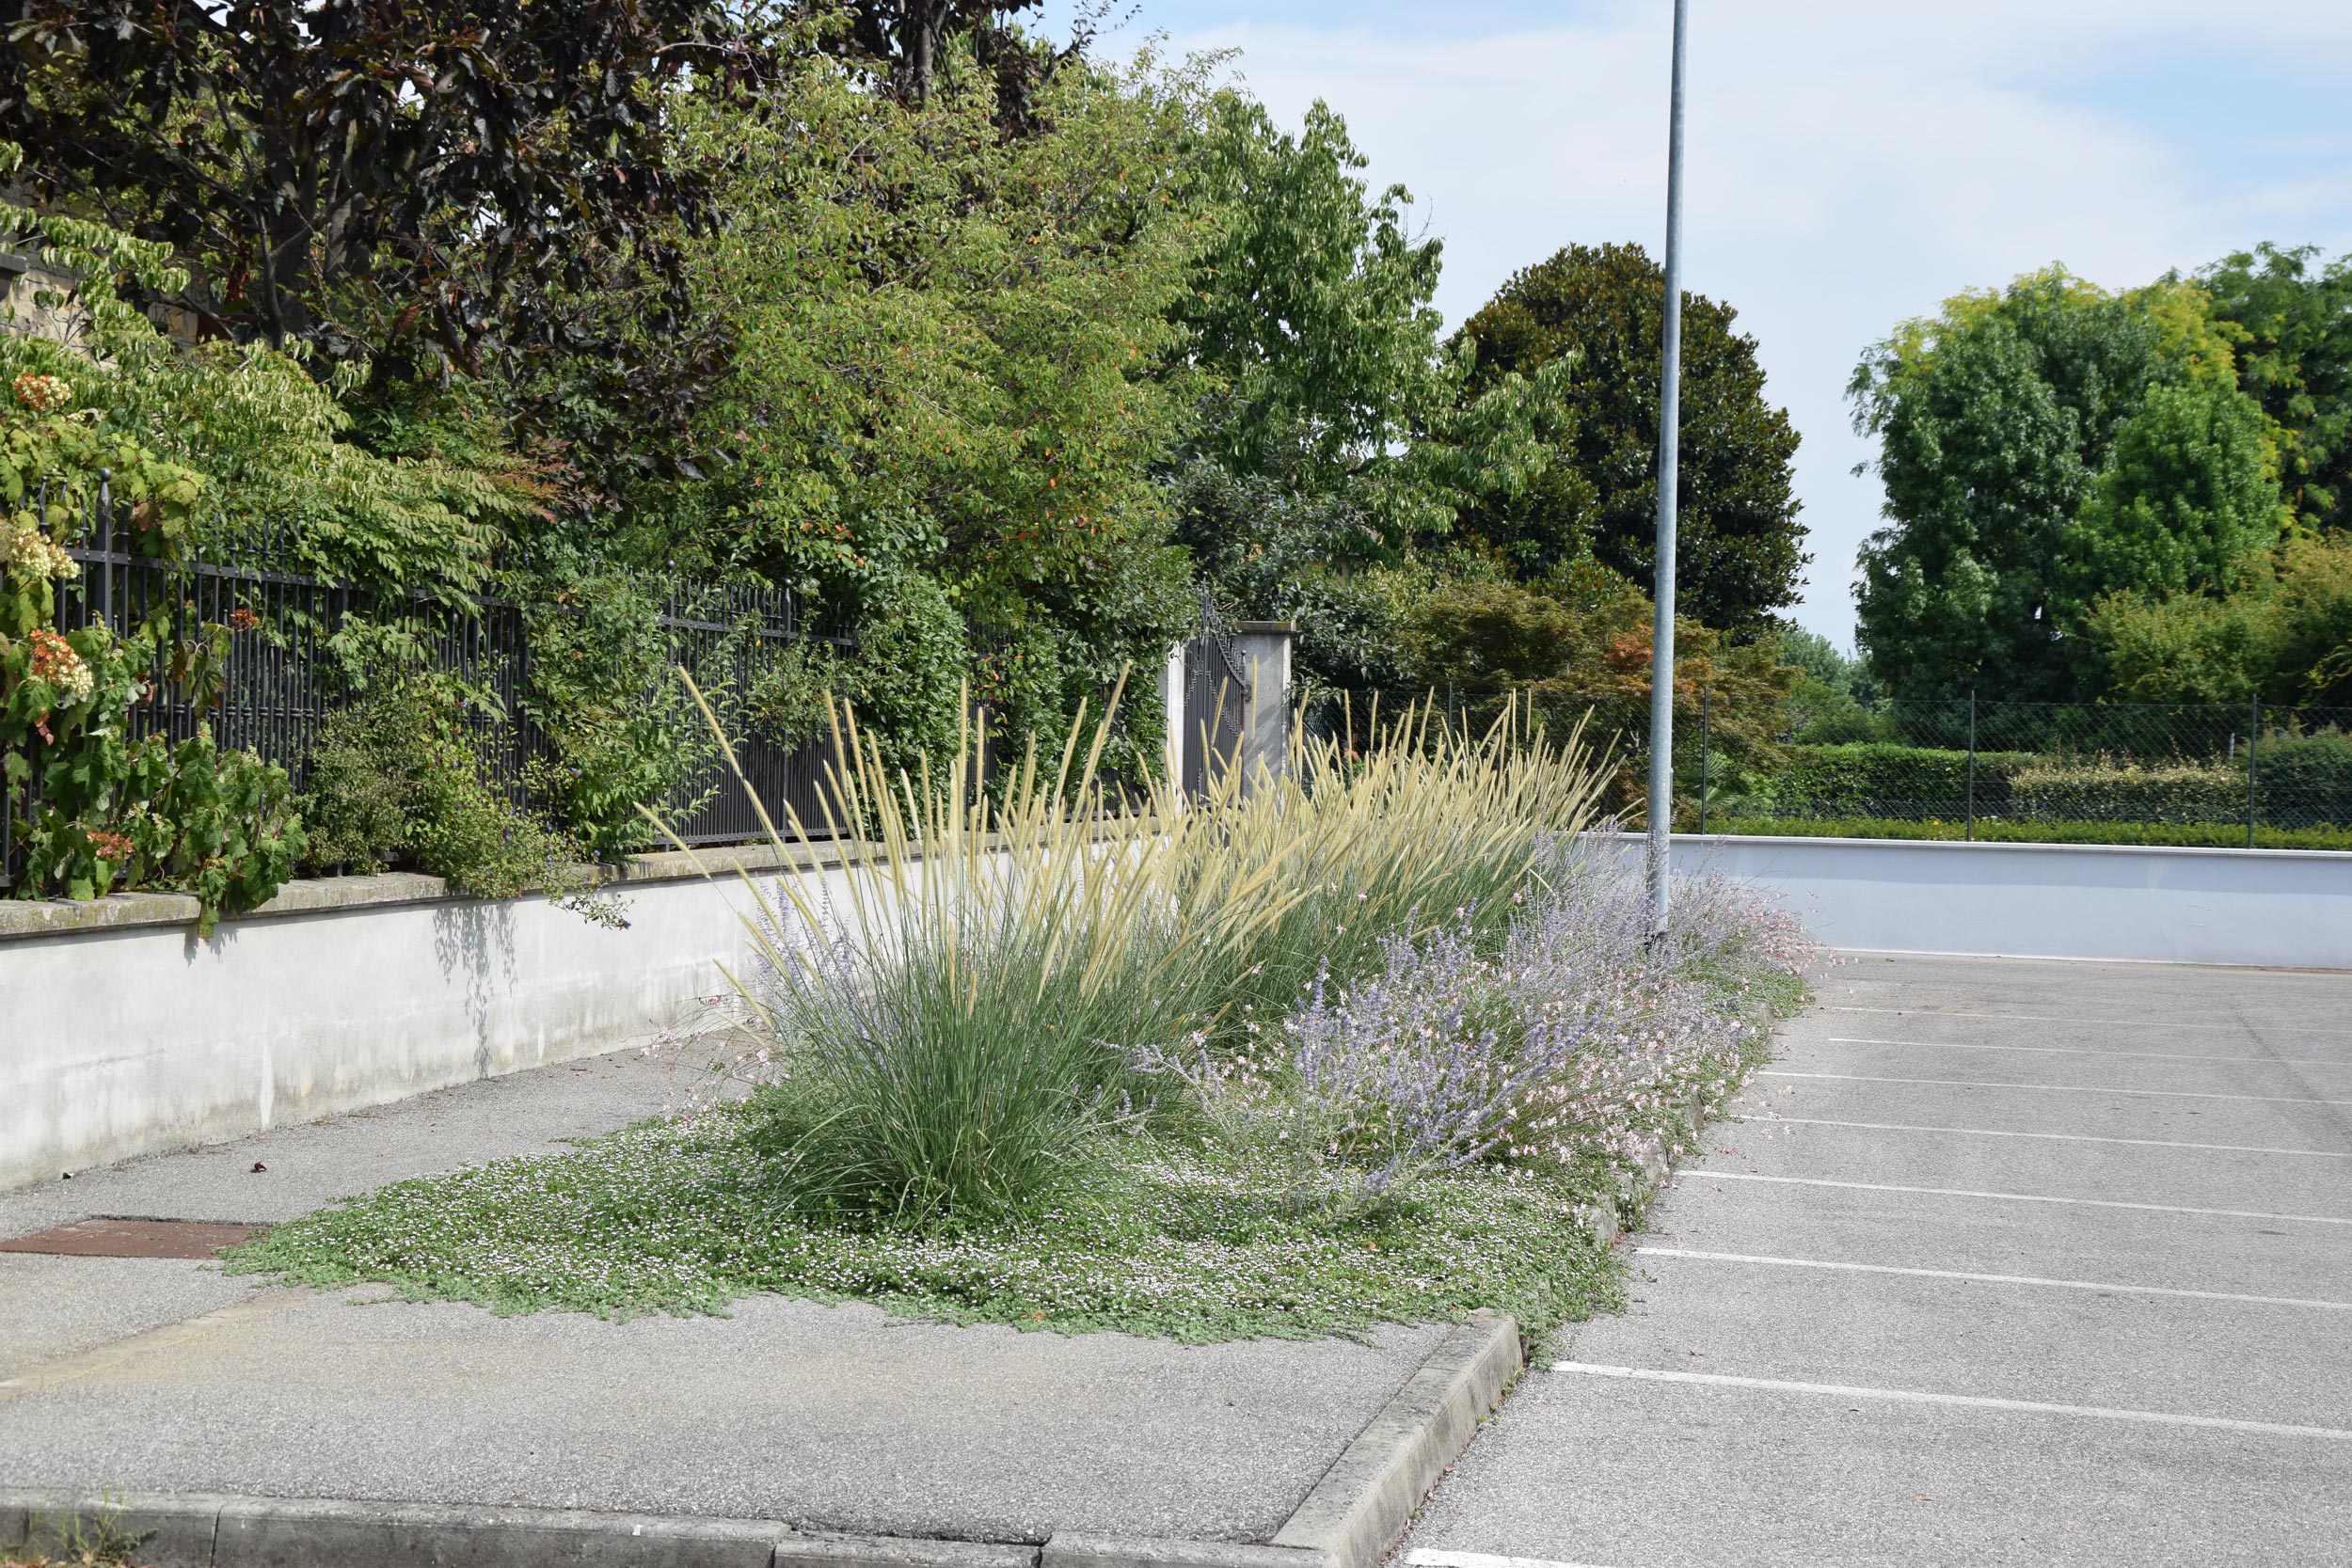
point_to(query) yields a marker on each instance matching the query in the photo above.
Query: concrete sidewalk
(2099, 1217)
(157, 1375)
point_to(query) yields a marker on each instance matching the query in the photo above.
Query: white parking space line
(2055, 1137)
(1974, 1402)
(2124, 1023)
(1428, 1559)
(2087, 1051)
(1990, 1278)
(2055, 1089)
(2008, 1197)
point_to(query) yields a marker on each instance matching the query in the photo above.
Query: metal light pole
(1662, 699)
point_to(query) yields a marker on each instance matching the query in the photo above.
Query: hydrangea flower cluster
(56, 662)
(27, 552)
(43, 394)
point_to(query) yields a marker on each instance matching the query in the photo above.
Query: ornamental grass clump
(1434, 824)
(944, 1025)
(940, 1024)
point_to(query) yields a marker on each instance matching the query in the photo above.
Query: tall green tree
(2042, 447)
(2291, 317)
(1740, 546)
(956, 367)
(1310, 313)
(1334, 440)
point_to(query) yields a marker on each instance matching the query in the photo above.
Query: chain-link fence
(2261, 775)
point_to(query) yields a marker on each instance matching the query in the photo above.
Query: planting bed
(1230, 1081)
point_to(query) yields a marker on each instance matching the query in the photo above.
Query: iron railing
(278, 684)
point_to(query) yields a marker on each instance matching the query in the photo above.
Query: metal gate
(1217, 702)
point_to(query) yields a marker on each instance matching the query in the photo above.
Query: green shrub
(786, 704)
(620, 731)
(396, 780)
(189, 817)
(2302, 781)
(1837, 720)
(2128, 792)
(232, 832)
(906, 680)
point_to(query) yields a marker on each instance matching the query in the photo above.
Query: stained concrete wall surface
(120, 1042)
(2288, 909)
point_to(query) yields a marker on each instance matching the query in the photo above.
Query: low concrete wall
(2285, 909)
(127, 1034)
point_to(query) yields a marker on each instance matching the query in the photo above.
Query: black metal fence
(2137, 772)
(278, 683)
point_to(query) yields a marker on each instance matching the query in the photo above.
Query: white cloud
(1851, 163)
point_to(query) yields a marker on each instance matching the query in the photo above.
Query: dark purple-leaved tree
(418, 182)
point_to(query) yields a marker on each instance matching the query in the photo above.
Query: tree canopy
(2041, 448)
(1333, 441)
(2291, 320)
(956, 361)
(996, 353)
(1598, 312)
(424, 180)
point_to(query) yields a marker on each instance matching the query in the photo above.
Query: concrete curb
(1349, 1519)
(1364, 1502)
(195, 1530)
(899, 1551)
(1129, 1551)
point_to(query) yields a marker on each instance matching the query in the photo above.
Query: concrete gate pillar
(1265, 650)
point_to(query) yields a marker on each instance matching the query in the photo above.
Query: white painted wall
(120, 1042)
(2279, 907)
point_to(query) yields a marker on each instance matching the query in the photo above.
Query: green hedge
(2300, 781)
(1877, 778)
(2179, 793)
(1999, 830)
(2304, 779)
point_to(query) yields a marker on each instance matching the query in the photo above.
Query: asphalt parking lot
(2007, 1261)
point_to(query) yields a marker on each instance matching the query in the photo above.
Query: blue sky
(1852, 161)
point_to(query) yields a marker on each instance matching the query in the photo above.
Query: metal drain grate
(119, 1238)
